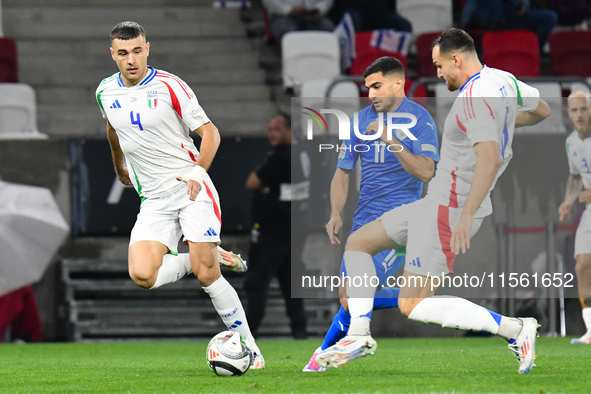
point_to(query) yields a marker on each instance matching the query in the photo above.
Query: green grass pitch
(458, 365)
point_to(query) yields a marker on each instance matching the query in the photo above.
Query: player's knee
(358, 243)
(406, 305)
(207, 275)
(142, 277)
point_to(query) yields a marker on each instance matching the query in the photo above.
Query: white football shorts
(166, 219)
(425, 228)
(583, 236)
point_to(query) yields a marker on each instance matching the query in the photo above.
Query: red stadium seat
(8, 62)
(570, 53)
(366, 54)
(514, 51)
(425, 67)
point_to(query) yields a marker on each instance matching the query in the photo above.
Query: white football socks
(454, 312)
(360, 290)
(587, 320)
(173, 268)
(227, 304)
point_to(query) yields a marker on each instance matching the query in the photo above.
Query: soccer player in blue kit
(390, 176)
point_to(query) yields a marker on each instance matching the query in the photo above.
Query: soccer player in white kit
(149, 115)
(578, 151)
(475, 150)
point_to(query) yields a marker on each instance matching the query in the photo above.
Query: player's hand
(123, 176)
(585, 196)
(460, 239)
(564, 211)
(194, 181)
(332, 229)
(373, 127)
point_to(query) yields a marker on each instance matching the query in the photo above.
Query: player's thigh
(583, 235)
(145, 259)
(371, 238)
(156, 231)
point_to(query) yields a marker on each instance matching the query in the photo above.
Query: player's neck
(396, 104)
(472, 68)
(584, 133)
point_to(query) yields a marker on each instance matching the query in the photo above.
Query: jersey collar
(149, 76)
(472, 78)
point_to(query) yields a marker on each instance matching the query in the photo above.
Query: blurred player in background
(149, 115)
(389, 178)
(578, 151)
(475, 150)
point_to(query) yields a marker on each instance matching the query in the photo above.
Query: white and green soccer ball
(228, 354)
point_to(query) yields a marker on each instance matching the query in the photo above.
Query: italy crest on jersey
(152, 99)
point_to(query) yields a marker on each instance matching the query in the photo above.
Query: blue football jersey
(385, 184)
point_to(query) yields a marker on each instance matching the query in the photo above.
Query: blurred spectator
(371, 15)
(278, 189)
(509, 14)
(570, 12)
(18, 311)
(291, 15)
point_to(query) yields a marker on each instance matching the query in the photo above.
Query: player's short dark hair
(286, 118)
(454, 40)
(386, 65)
(127, 30)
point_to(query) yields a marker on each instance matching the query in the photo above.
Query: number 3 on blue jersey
(136, 120)
(587, 165)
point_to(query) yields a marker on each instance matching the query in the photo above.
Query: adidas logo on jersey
(210, 233)
(115, 105)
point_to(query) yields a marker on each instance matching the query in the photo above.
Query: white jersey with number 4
(483, 111)
(152, 120)
(578, 152)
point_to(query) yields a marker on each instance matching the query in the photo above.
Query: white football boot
(258, 362)
(312, 366)
(231, 260)
(347, 349)
(524, 346)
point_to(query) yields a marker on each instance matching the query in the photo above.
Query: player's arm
(487, 166)
(421, 167)
(339, 187)
(573, 187)
(210, 141)
(527, 118)
(118, 156)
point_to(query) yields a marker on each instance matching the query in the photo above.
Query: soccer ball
(228, 354)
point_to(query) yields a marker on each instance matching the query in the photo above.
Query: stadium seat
(551, 92)
(570, 53)
(426, 15)
(367, 53)
(18, 112)
(309, 55)
(425, 67)
(514, 51)
(8, 60)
